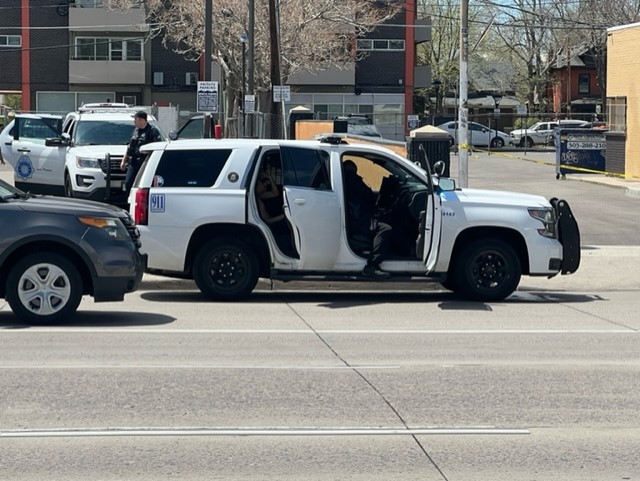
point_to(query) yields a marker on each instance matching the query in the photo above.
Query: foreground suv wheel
(226, 269)
(487, 270)
(44, 288)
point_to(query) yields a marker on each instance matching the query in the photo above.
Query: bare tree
(314, 35)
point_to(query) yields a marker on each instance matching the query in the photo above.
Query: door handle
(24, 150)
(300, 201)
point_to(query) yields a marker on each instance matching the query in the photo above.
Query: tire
(68, 186)
(497, 143)
(451, 142)
(44, 288)
(529, 142)
(487, 270)
(226, 269)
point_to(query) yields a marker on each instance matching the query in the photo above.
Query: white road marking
(120, 330)
(279, 431)
(342, 367)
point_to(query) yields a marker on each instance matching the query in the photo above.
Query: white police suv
(198, 208)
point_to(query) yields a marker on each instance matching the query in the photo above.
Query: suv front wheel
(226, 269)
(44, 288)
(487, 270)
(68, 187)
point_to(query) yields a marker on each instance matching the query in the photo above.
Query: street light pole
(497, 97)
(243, 40)
(250, 68)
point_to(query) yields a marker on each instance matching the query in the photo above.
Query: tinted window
(306, 168)
(38, 129)
(190, 168)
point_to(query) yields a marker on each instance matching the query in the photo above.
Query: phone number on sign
(586, 145)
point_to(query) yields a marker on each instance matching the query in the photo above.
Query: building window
(10, 41)
(584, 84)
(617, 113)
(384, 45)
(102, 48)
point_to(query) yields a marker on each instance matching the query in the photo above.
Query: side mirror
(56, 142)
(439, 168)
(173, 135)
(446, 184)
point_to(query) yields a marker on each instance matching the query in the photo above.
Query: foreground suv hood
(500, 198)
(72, 206)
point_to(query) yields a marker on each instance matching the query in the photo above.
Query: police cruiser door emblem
(24, 167)
(233, 177)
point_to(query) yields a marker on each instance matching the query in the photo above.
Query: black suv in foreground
(54, 250)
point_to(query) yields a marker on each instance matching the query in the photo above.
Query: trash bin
(580, 151)
(298, 113)
(436, 145)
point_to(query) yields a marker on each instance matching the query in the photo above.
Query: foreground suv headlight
(113, 227)
(87, 163)
(548, 218)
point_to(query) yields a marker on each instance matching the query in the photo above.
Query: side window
(190, 168)
(38, 130)
(306, 168)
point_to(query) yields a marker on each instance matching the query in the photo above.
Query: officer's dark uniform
(139, 138)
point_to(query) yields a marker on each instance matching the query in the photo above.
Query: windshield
(105, 132)
(7, 189)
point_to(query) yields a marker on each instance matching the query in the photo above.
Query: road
(343, 382)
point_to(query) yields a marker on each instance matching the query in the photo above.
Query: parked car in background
(479, 135)
(538, 133)
(55, 250)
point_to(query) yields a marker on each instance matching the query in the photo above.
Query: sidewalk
(631, 186)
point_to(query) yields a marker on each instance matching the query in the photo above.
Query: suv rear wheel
(44, 288)
(226, 269)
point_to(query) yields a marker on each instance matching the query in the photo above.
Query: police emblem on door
(24, 167)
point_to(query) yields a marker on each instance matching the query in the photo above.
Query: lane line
(217, 432)
(45, 367)
(116, 330)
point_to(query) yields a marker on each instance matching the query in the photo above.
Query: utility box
(436, 144)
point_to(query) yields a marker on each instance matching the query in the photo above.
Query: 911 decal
(156, 203)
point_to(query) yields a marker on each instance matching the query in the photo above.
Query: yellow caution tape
(562, 166)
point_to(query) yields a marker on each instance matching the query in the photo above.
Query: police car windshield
(104, 132)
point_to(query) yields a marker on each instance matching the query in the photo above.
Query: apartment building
(65, 55)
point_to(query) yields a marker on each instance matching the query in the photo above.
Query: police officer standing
(144, 133)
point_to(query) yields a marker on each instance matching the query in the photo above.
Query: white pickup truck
(198, 212)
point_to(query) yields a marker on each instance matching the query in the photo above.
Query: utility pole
(208, 12)
(463, 113)
(251, 53)
(275, 61)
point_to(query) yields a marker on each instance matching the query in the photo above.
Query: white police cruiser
(197, 208)
(79, 156)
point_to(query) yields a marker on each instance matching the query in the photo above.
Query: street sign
(249, 104)
(281, 93)
(207, 96)
(413, 122)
